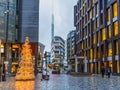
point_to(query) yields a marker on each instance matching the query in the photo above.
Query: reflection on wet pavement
(24, 85)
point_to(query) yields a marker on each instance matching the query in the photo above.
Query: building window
(115, 28)
(98, 52)
(116, 47)
(93, 12)
(93, 1)
(94, 39)
(82, 45)
(90, 13)
(103, 34)
(97, 22)
(97, 8)
(108, 1)
(87, 42)
(101, 18)
(108, 14)
(109, 49)
(94, 22)
(94, 53)
(109, 31)
(84, 54)
(91, 54)
(101, 5)
(115, 9)
(99, 37)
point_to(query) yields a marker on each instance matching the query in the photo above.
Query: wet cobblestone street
(64, 82)
(67, 82)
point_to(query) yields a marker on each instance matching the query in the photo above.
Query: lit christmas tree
(26, 68)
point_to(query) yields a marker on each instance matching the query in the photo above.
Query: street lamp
(6, 40)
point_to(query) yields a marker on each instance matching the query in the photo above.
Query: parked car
(55, 71)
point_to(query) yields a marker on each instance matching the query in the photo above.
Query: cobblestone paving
(8, 85)
(64, 82)
(67, 82)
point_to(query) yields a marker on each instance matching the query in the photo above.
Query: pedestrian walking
(108, 69)
(103, 71)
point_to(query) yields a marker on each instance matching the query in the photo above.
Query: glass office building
(9, 20)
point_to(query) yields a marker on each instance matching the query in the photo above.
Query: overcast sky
(63, 20)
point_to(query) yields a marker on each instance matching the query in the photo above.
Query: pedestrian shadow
(25, 85)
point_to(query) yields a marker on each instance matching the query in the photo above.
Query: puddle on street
(24, 85)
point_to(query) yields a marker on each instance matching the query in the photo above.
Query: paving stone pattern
(64, 82)
(67, 82)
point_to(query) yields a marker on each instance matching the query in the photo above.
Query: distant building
(48, 57)
(58, 50)
(71, 49)
(41, 48)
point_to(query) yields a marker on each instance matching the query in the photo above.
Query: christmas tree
(26, 68)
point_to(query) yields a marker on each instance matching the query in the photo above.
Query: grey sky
(63, 20)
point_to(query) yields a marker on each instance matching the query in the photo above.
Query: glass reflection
(24, 85)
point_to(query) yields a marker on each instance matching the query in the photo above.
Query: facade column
(85, 65)
(76, 64)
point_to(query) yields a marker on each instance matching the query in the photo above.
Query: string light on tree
(26, 70)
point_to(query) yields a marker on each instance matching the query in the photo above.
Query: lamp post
(46, 61)
(6, 40)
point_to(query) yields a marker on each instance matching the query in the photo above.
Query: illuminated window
(93, 1)
(94, 39)
(84, 54)
(109, 31)
(94, 53)
(91, 54)
(103, 34)
(116, 47)
(115, 9)
(115, 28)
(109, 49)
(82, 45)
(108, 14)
